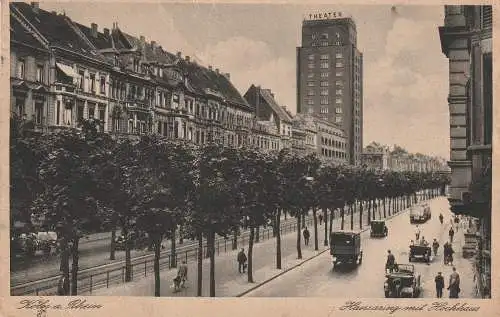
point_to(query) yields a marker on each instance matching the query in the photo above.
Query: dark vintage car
(378, 228)
(420, 213)
(422, 252)
(403, 282)
(345, 247)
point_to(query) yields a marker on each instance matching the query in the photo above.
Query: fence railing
(112, 274)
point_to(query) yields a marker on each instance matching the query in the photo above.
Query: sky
(405, 84)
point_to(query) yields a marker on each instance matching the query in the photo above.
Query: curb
(280, 274)
(307, 260)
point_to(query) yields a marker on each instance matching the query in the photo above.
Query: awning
(67, 70)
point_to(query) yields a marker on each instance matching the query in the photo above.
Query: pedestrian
(451, 233)
(242, 260)
(439, 280)
(454, 285)
(390, 263)
(182, 273)
(320, 219)
(435, 246)
(417, 233)
(306, 236)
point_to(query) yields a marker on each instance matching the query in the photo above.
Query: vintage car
(403, 282)
(420, 213)
(345, 247)
(420, 252)
(378, 228)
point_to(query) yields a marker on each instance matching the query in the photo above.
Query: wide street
(317, 279)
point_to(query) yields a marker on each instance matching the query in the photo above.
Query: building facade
(63, 72)
(376, 157)
(466, 40)
(266, 109)
(330, 76)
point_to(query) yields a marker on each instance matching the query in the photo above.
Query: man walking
(451, 233)
(306, 236)
(454, 286)
(242, 260)
(390, 263)
(439, 280)
(417, 233)
(320, 219)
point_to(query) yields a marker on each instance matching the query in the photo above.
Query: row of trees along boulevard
(78, 180)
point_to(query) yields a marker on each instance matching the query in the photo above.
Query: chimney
(106, 32)
(179, 55)
(228, 76)
(217, 70)
(93, 29)
(187, 58)
(35, 6)
(209, 67)
(142, 38)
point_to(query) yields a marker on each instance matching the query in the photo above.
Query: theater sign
(325, 15)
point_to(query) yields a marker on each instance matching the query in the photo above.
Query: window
(310, 92)
(81, 74)
(324, 75)
(338, 55)
(338, 119)
(324, 57)
(79, 112)
(324, 43)
(58, 112)
(39, 73)
(311, 57)
(324, 84)
(38, 113)
(310, 65)
(486, 16)
(339, 64)
(338, 92)
(323, 110)
(310, 83)
(21, 68)
(103, 85)
(339, 74)
(102, 114)
(324, 100)
(338, 110)
(324, 36)
(91, 111)
(324, 65)
(92, 83)
(175, 101)
(324, 92)
(310, 101)
(310, 75)
(339, 83)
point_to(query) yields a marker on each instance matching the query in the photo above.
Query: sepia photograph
(250, 150)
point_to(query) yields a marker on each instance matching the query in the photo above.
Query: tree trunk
(325, 217)
(74, 267)
(181, 234)
(173, 254)
(113, 243)
(315, 222)
(361, 215)
(278, 239)
(157, 245)
(332, 216)
(342, 215)
(257, 234)
(250, 253)
(299, 250)
(370, 211)
(379, 209)
(200, 265)
(212, 263)
(234, 245)
(128, 258)
(352, 216)
(285, 214)
(64, 266)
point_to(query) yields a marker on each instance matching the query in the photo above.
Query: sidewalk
(229, 282)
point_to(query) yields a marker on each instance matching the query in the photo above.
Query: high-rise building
(330, 75)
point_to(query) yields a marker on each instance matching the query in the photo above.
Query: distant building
(330, 76)
(376, 157)
(466, 40)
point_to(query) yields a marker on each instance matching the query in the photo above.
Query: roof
(269, 99)
(20, 34)
(100, 42)
(347, 232)
(57, 29)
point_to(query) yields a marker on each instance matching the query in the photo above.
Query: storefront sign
(325, 15)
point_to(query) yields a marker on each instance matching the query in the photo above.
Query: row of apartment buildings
(466, 40)
(382, 157)
(63, 72)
